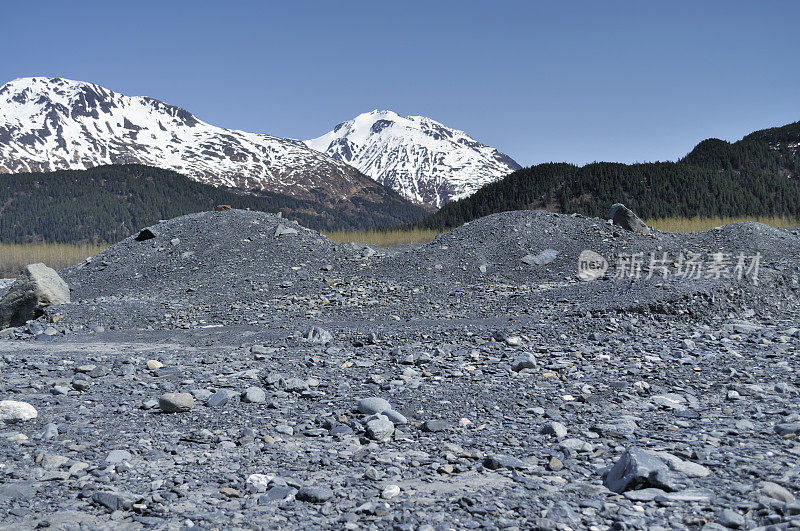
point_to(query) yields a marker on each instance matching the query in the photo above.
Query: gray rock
(687, 468)
(318, 335)
(434, 425)
(49, 431)
(314, 494)
(380, 429)
(787, 428)
(373, 405)
(115, 501)
(622, 216)
(644, 495)
(36, 288)
(555, 428)
(687, 495)
(524, 361)
(494, 462)
(283, 231)
(730, 519)
(176, 402)
(118, 456)
(638, 469)
(775, 491)
(543, 258)
(220, 398)
(395, 417)
(254, 395)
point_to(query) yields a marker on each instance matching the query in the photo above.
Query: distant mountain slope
(51, 124)
(758, 175)
(108, 203)
(421, 159)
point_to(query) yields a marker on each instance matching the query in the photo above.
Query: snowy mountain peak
(422, 159)
(50, 124)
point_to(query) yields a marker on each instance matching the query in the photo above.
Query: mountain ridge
(118, 200)
(49, 124)
(757, 175)
(422, 159)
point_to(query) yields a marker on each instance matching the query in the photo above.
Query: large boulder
(638, 469)
(36, 288)
(624, 217)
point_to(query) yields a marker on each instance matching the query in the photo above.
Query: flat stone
(220, 398)
(434, 426)
(775, 491)
(687, 495)
(118, 456)
(114, 501)
(687, 468)
(494, 462)
(542, 258)
(670, 401)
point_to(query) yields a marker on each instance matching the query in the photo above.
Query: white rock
(390, 491)
(259, 481)
(13, 411)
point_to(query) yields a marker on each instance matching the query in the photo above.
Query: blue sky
(541, 81)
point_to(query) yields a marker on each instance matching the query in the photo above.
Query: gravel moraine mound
(235, 370)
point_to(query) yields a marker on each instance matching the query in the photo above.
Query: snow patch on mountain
(49, 124)
(418, 157)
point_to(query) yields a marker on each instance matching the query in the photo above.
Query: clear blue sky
(541, 81)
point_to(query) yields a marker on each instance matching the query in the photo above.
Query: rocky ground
(236, 370)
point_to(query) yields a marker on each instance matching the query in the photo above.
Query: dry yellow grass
(13, 257)
(698, 224)
(384, 238)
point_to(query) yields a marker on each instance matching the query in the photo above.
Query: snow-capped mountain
(420, 158)
(50, 124)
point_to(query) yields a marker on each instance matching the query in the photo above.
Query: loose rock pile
(239, 371)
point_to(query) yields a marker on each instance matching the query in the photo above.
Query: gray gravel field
(238, 371)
